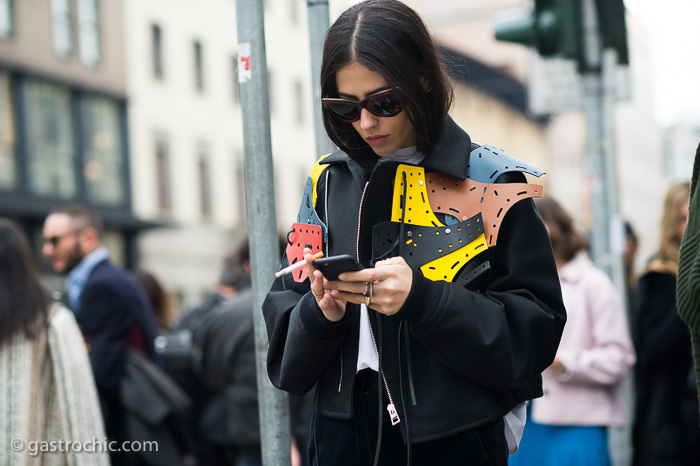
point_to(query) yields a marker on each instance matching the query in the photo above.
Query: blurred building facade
(133, 106)
(63, 113)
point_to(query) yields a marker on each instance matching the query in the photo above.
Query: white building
(185, 129)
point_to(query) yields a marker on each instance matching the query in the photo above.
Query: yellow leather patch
(316, 174)
(446, 267)
(418, 211)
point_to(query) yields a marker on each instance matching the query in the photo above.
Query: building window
(204, 185)
(163, 177)
(8, 160)
(62, 27)
(198, 66)
(104, 156)
(88, 33)
(299, 101)
(7, 27)
(51, 149)
(157, 51)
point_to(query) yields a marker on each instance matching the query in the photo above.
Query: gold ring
(318, 296)
(367, 300)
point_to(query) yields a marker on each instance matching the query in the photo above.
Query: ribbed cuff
(422, 301)
(315, 322)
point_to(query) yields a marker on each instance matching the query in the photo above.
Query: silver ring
(371, 289)
(382, 277)
(366, 292)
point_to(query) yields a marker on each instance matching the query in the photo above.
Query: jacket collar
(449, 156)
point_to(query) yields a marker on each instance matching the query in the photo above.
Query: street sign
(554, 85)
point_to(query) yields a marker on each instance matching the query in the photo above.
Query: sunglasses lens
(346, 111)
(387, 105)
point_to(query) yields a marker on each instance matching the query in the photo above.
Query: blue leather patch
(486, 163)
(307, 213)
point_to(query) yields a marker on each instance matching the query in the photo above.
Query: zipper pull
(393, 414)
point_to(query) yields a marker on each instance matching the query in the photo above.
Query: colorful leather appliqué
(307, 213)
(439, 246)
(309, 231)
(486, 163)
(302, 235)
(460, 199)
(440, 252)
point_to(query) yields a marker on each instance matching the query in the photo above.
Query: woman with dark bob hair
(427, 353)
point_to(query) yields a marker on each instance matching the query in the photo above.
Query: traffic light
(553, 28)
(611, 15)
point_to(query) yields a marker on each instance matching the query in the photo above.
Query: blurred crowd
(113, 358)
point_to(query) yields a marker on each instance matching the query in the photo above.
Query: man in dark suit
(110, 308)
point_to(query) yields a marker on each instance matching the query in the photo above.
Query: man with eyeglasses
(111, 310)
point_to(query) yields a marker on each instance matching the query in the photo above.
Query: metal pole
(260, 201)
(318, 25)
(607, 234)
(598, 104)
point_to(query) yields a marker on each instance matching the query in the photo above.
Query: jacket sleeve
(507, 333)
(104, 321)
(609, 355)
(302, 341)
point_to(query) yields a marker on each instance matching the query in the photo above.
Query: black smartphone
(333, 266)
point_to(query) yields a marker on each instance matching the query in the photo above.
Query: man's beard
(73, 259)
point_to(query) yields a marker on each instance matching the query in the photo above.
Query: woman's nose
(367, 120)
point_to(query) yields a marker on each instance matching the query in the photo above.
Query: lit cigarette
(298, 265)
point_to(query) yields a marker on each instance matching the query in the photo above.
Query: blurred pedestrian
(225, 362)
(582, 388)
(666, 428)
(201, 352)
(629, 258)
(417, 357)
(688, 286)
(46, 384)
(158, 297)
(110, 307)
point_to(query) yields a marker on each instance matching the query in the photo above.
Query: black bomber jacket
(454, 357)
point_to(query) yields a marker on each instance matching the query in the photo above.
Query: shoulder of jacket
(487, 163)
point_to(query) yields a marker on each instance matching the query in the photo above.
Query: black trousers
(336, 442)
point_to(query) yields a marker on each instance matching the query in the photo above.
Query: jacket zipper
(391, 408)
(359, 221)
(325, 207)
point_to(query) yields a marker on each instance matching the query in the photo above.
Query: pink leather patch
(464, 199)
(302, 235)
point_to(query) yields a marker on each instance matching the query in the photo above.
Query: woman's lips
(377, 140)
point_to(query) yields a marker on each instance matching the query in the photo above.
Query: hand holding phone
(333, 266)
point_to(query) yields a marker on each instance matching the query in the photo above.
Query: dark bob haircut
(390, 38)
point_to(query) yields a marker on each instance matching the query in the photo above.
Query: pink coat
(596, 350)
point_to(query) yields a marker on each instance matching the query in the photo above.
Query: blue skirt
(547, 445)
